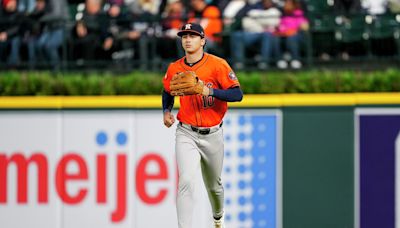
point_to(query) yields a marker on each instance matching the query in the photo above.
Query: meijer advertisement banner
(116, 168)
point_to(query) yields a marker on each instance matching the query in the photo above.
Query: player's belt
(201, 130)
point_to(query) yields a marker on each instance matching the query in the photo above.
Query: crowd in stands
(39, 24)
(268, 33)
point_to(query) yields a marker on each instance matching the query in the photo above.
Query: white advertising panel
(116, 168)
(27, 196)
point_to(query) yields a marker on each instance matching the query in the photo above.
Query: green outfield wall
(318, 149)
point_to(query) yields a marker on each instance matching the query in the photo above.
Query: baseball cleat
(219, 223)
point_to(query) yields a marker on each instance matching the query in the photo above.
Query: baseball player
(205, 83)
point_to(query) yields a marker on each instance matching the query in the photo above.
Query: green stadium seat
(383, 26)
(320, 15)
(318, 6)
(352, 29)
(73, 10)
(385, 29)
(322, 23)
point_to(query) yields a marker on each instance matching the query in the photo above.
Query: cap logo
(188, 26)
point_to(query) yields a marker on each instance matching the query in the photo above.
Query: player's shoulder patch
(232, 75)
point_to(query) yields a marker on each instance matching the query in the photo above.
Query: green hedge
(15, 83)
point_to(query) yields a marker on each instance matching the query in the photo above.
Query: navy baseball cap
(191, 28)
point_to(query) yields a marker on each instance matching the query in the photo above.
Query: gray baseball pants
(195, 151)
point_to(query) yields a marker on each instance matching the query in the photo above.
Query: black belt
(202, 131)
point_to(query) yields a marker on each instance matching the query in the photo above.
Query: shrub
(14, 83)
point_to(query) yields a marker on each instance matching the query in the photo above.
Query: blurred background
(250, 34)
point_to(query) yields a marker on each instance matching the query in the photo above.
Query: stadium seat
(352, 29)
(352, 37)
(385, 29)
(382, 26)
(73, 10)
(322, 23)
(318, 6)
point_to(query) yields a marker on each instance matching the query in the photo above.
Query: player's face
(192, 43)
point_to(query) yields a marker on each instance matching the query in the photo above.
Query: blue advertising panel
(377, 132)
(252, 172)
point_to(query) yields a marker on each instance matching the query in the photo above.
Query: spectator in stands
(347, 7)
(375, 7)
(229, 13)
(221, 4)
(52, 35)
(291, 27)
(89, 32)
(26, 6)
(209, 17)
(172, 21)
(10, 33)
(259, 25)
(118, 29)
(145, 9)
(240, 14)
(119, 3)
(172, 18)
(122, 41)
(147, 14)
(394, 6)
(33, 30)
(230, 7)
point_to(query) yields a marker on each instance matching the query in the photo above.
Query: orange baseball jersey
(199, 110)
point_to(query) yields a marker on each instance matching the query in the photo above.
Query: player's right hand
(169, 119)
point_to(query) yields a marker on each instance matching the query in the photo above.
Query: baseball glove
(186, 83)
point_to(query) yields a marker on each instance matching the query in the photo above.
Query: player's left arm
(230, 95)
(229, 89)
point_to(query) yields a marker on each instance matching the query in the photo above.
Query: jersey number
(208, 101)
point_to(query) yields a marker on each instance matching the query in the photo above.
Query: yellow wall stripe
(280, 100)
